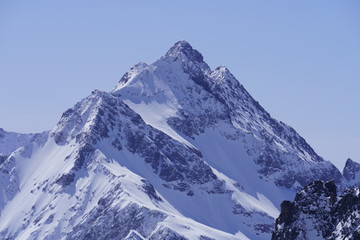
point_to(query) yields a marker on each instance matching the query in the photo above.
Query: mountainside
(317, 213)
(175, 151)
(9, 141)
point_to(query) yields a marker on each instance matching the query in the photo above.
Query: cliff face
(318, 213)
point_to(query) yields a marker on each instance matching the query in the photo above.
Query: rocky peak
(223, 71)
(183, 48)
(351, 169)
(191, 60)
(135, 70)
(316, 189)
(223, 77)
(317, 213)
(310, 213)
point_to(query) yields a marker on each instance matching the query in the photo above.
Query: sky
(299, 59)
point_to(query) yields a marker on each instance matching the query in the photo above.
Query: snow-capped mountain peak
(170, 92)
(184, 49)
(190, 136)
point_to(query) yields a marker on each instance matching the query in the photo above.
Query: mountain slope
(176, 149)
(73, 191)
(9, 141)
(192, 98)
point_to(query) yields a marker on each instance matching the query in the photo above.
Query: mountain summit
(184, 48)
(175, 151)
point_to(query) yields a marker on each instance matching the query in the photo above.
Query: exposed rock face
(351, 173)
(347, 215)
(317, 213)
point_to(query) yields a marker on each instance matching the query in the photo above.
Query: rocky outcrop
(351, 173)
(318, 213)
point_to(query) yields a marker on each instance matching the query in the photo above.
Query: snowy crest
(184, 49)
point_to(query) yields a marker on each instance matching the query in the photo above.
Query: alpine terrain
(318, 213)
(175, 151)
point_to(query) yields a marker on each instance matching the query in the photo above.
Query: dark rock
(83, 154)
(150, 190)
(318, 209)
(2, 158)
(66, 179)
(351, 169)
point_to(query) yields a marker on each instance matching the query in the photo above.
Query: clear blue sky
(299, 59)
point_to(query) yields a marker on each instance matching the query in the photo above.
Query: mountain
(9, 141)
(175, 151)
(318, 213)
(351, 173)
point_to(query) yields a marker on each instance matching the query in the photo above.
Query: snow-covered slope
(180, 93)
(175, 150)
(9, 141)
(73, 189)
(102, 201)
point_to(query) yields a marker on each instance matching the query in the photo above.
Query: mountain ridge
(173, 140)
